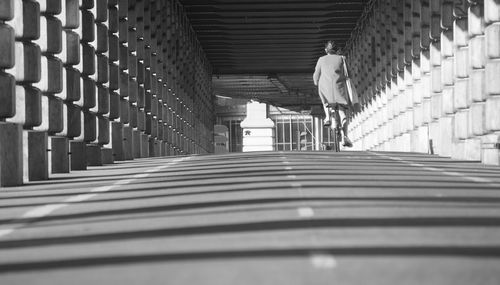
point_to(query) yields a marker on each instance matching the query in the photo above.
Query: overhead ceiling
(267, 49)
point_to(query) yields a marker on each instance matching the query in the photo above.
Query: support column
(448, 78)
(491, 141)
(435, 146)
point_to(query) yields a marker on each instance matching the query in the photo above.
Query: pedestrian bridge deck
(259, 218)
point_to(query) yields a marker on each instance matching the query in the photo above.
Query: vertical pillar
(462, 132)
(27, 73)
(490, 149)
(447, 77)
(435, 145)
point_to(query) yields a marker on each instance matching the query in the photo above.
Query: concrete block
(102, 38)
(136, 142)
(491, 72)
(418, 116)
(88, 26)
(6, 10)
(28, 63)
(107, 156)
(446, 136)
(78, 155)
(492, 34)
(26, 21)
(491, 11)
(426, 111)
(477, 52)
(132, 65)
(448, 100)
(59, 155)
(51, 7)
(103, 132)
(101, 11)
(133, 116)
(114, 48)
(461, 32)
(28, 107)
(123, 55)
(144, 145)
(102, 100)
(52, 115)
(38, 158)
(490, 154)
(50, 40)
(154, 148)
(88, 60)
(447, 44)
(462, 62)
(114, 105)
(7, 44)
(492, 114)
(102, 69)
(70, 54)
(462, 128)
(447, 15)
(117, 141)
(74, 120)
(114, 77)
(52, 79)
(473, 149)
(477, 86)
(89, 93)
(11, 154)
(7, 95)
(436, 82)
(141, 120)
(133, 90)
(90, 127)
(94, 155)
(447, 71)
(128, 146)
(70, 14)
(461, 97)
(477, 118)
(123, 31)
(71, 85)
(113, 20)
(476, 20)
(124, 111)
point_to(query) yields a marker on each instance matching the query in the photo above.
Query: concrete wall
(429, 71)
(90, 82)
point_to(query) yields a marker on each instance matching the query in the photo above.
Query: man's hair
(330, 47)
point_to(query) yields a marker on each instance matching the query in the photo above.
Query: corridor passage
(260, 218)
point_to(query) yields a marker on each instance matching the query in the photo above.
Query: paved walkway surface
(260, 218)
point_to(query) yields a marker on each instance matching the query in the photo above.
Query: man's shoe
(347, 142)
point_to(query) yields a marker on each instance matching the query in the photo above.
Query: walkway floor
(261, 218)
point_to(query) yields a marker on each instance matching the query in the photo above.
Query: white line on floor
(5, 232)
(45, 210)
(323, 261)
(124, 182)
(305, 212)
(103, 188)
(433, 169)
(141, 175)
(80, 198)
